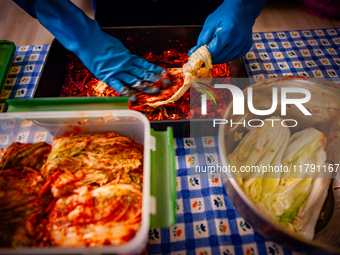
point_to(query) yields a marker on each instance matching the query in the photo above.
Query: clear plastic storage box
(32, 127)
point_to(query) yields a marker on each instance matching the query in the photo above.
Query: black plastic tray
(139, 40)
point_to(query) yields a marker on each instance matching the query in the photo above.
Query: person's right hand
(105, 56)
(227, 32)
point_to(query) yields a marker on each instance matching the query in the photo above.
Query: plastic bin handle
(163, 179)
(67, 104)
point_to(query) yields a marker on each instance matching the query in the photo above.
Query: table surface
(22, 29)
(207, 222)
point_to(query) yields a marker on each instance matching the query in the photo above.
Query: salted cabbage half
(261, 147)
(293, 198)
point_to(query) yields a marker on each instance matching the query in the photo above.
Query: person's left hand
(227, 32)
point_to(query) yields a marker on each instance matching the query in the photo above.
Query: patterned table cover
(23, 76)
(207, 222)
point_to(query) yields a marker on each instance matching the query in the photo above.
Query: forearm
(242, 8)
(26, 6)
(64, 20)
(253, 7)
(104, 55)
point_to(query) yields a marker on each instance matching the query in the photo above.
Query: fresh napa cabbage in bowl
(283, 168)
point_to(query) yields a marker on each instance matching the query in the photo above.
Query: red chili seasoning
(80, 82)
(77, 129)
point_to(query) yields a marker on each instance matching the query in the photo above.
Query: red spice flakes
(80, 82)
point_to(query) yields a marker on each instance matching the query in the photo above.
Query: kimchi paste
(84, 190)
(173, 101)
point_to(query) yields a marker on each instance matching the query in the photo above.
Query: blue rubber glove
(105, 56)
(227, 32)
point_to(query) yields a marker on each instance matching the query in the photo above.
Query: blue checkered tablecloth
(207, 222)
(309, 53)
(24, 73)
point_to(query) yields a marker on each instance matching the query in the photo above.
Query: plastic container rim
(136, 244)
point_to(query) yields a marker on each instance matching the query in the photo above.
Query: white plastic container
(32, 127)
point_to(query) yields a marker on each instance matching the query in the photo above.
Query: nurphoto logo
(239, 103)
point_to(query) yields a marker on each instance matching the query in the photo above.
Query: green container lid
(67, 104)
(7, 50)
(163, 179)
(162, 165)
